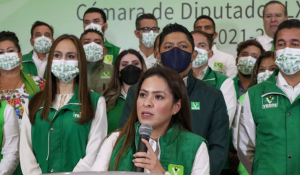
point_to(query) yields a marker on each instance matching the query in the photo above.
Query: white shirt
(247, 129)
(40, 64)
(229, 94)
(150, 60)
(200, 165)
(10, 143)
(227, 61)
(265, 41)
(97, 134)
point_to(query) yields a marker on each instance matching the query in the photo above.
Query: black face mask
(130, 74)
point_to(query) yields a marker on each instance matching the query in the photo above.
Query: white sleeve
(104, 154)
(235, 124)
(201, 162)
(229, 93)
(28, 161)
(10, 143)
(97, 133)
(246, 135)
(231, 69)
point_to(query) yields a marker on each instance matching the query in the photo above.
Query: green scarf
(30, 85)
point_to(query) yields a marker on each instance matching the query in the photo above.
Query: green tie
(272, 48)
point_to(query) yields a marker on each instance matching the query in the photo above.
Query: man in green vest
(208, 109)
(35, 62)
(269, 140)
(95, 18)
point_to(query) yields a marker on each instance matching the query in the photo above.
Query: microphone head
(145, 129)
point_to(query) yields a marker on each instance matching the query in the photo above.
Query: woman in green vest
(9, 139)
(63, 125)
(128, 68)
(15, 85)
(161, 100)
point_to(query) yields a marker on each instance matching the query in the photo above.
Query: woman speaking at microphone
(161, 100)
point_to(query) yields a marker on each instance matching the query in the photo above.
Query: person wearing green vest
(161, 101)
(9, 139)
(127, 70)
(35, 62)
(208, 109)
(203, 45)
(95, 18)
(65, 124)
(247, 53)
(269, 122)
(99, 73)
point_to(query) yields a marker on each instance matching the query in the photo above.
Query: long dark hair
(113, 89)
(48, 94)
(179, 92)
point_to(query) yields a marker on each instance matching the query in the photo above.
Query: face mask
(65, 70)
(288, 60)
(93, 52)
(176, 59)
(263, 76)
(9, 61)
(149, 38)
(201, 59)
(130, 74)
(42, 44)
(94, 27)
(246, 64)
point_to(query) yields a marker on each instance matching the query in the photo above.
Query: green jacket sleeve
(127, 106)
(218, 137)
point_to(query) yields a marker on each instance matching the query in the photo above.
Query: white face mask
(263, 76)
(246, 64)
(65, 70)
(288, 60)
(149, 38)
(94, 27)
(93, 52)
(42, 44)
(9, 61)
(201, 59)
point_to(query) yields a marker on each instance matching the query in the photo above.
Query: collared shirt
(202, 73)
(242, 91)
(150, 60)
(40, 64)
(247, 128)
(185, 81)
(200, 165)
(223, 63)
(265, 41)
(123, 94)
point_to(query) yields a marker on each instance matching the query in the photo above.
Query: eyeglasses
(148, 29)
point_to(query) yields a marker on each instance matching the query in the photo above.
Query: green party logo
(218, 66)
(108, 59)
(270, 101)
(176, 169)
(195, 105)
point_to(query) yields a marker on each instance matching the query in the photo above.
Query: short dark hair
(96, 10)
(144, 16)
(251, 42)
(275, 2)
(91, 31)
(40, 23)
(208, 37)
(288, 24)
(205, 17)
(170, 28)
(10, 36)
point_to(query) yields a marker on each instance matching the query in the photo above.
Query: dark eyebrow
(57, 51)
(71, 53)
(10, 47)
(182, 42)
(87, 39)
(155, 92)
(295, 40)
(280, 40)
(202, 43)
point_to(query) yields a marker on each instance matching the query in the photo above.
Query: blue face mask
(176, 59)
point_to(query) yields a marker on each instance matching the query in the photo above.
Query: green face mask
(42, 44)
(9, 61)
(288, 60)
(246, 65)
(65, 70)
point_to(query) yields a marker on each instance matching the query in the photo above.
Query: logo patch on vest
(175, 169)
(195, 105)
(108, 59)
(105, 74)
(76, 115)
(218, 66)
(270, 101)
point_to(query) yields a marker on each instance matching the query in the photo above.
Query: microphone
(145, 131)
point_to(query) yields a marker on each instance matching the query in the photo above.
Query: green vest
(2, 109)
(214, 78)
(114, 115)
(277, 129)
(59, 145)
(112, 53)
(29, 66)
(177, 146)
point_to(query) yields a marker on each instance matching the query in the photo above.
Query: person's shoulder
(27, 56)
(108, 44)
(200, 85)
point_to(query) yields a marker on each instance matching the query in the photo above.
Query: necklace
(13, 90)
